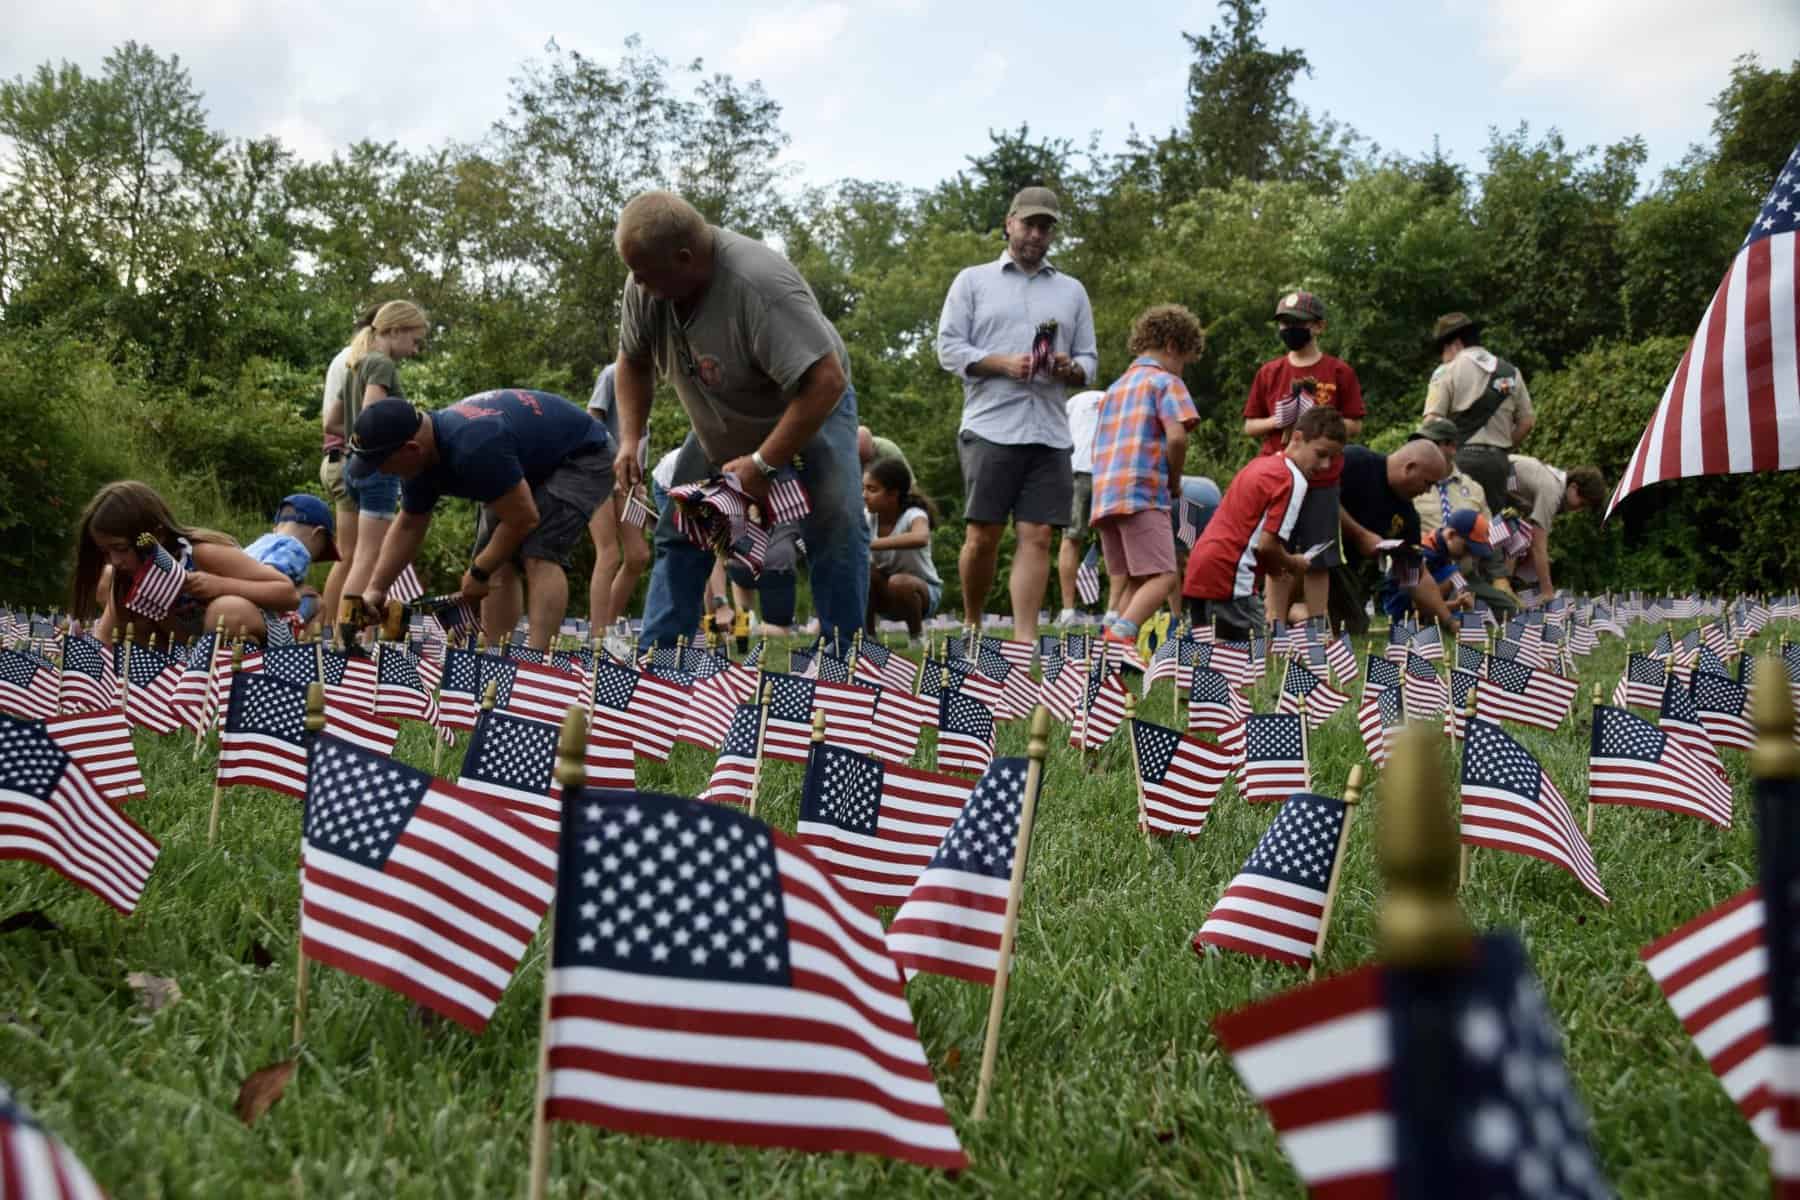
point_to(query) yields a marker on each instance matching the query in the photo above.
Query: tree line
(169, 296)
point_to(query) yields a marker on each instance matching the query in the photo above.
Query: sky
(906, 90)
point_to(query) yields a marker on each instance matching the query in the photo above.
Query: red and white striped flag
(1274, 766)
(28, 686)
(34, 1163)
(1513, 691)
(158, 582)
(875, 827)
(1723, 706)
(1102, 708)
(1631, 761)
(1425, 693)
(1213, 703)
(530, 690)
(417, 884)
(1510, 803)
(640, 707)
(406, 586)
(1178, 778)
(52, 813)
(733, 777)
(1322, 700)
(513, 760)
(100, 743)
(1733, 404)
(1274, 906)
(900, 717)
(713, 703)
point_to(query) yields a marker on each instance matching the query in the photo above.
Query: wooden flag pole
(375, 698)
(1137, 774)
(1305, 749)
(1466, 852)
(571, 775)
(1419, 923)
(315, 725)
(1352, 795)
(1597, 701)
(1082, 721)
(1038, 747)
(212, 822)
(212, 662)
(762, 732)
(123, 665)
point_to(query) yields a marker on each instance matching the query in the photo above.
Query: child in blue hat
(304, 533)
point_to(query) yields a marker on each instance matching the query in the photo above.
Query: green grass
(1109, 1082)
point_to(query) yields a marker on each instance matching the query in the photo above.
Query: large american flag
(417, 884)
(641, 708)
(1513, 691)
(965, 740)
(158, 582)
(951, 922)
(52, 813)
(1632, 762)
(874, 827)
(673, 1035)
(100, 743)
(1723, 706)
(733, 779)
(34, 1163)
(1178, 778)
(1338, 1065)
(27, 687)
(1322, 700)
(1510, 803)
(1274, 758)
(1274, 906)
(1733, 404)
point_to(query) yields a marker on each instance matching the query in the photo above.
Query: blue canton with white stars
(1301, 845)
(1272, 737)
(1644, 669)
(1779, 207)
(358, 804)
(512, 752)
(1382, 672)
(740, 736)
(614, 686)
(1492, 759)
(1209, 687)
(17, 670)
(399, 670)
(269, 707)
(1468, 658)
(1389, 706)
(462, 672)
(1513, 677)
(82, 654)
(1717, 693)
(1619, 734)
(986, 832)
(1156, 749)
(843, 789)
(661, 885)
(291, 664)
(966, 715)
(790, 698)
(30, 763)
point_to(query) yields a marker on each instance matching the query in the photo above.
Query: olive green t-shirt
(376, 368)
(740, 356)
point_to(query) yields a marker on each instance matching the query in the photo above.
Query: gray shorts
(1030, 483)
(1318, 522)
(565, 502)
(1235, 620)
(1084, 503)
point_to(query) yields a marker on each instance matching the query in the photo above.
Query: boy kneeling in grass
(1243, 541)
(1140, 447)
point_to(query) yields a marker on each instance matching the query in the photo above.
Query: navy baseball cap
(1474, 529)
(381, 428)
(303, 508)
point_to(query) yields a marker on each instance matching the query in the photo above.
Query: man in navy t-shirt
(538, 465)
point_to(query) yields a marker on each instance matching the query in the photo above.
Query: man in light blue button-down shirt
(1019, 334)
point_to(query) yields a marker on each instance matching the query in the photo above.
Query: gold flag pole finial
(1772, 709)
(1420, 923)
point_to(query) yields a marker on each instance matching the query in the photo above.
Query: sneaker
(619, 648)
(1067, 616)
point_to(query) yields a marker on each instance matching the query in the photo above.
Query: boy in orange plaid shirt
(1140, 447)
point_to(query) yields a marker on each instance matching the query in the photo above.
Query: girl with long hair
(365, 508)
(903, 581)
(223, 583)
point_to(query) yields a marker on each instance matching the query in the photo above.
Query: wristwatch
(762, 464)
(477, 574)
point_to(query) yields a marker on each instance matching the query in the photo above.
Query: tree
(977, 199)
(1758, 118)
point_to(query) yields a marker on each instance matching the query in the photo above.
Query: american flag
(1379, 719)
(1510, 803)
(1018, 690)
(1730, 406)
(34, 1162)
(1232, 660)
(950, 924)
(1426, 694)
(529, 690)
(788, 501)
(1708, 660)
(800, 662)
(1342, 657)
(1428, 643)
(639, 707)
(418, 884)
(1274, 906)
(672, 1034)
(873, 827)
(1213, 704)
(1399, 637)
(1723, 707)
(1019, 654)
(1087, 577)
(878, 665)
(1166, 661)
(1077, 647)
(1681, 721)
(459, 690)
(86, 675)
(406, 586)
(158, 582)
(100, 743)
(900, 717)
(153, 678)
(849, 716)
(1178, 778)
(831, 668)
(1274, 758)
(1061, 688)
(1102, 708)
(966, 678)
(637, 514)
(1334, 1063)
(52, 813)
(1515, 692)
(1456, 712)
(713, 702)
(404, 684)
(1642, 684)
(733, 779)
(27, 687)
(1471, 629)
(1470, 658)
(1187, 524)
(192, 695)
(1322, 700)
(965, 740)
(513, 760)
(1632, 762)
(263, 743)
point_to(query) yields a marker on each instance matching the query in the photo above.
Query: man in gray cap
(1452, 493)
(1018, 334)
(1485, 397)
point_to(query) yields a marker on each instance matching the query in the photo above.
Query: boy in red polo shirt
(1284, 389)
(1243, 541)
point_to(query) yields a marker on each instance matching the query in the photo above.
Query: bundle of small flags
(158, 582)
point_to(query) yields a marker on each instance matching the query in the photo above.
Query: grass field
(1110, 1081)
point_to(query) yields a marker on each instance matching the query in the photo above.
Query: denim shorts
(376, 496)
(933, 593)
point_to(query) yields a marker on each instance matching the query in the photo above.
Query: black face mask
(1296, 337)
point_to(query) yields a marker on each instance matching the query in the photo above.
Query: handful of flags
(718, 515)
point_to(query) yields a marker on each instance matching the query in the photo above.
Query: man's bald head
(865, 445)
(1415, 466)
(666, 244)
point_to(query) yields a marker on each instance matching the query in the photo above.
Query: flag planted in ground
(1510, 803)
(1631, 761)
(875, 827)
(733, 779)
(1274, 906)
(1178, 778)
(1274, 765)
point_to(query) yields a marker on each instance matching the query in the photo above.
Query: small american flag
(1380, 719)
(1515, 692)
(417, 884)
(1471, 630)
(1213, 704)
(1428, 643)
(158, 582)
(873, 827)
(459, 690)
(1178, 778)
(153, 679)
(788, 501)
(52, 813)
(900, 717)
(637, 514)
(1273, 908)
(263, 743)
(638, 707)
(1456, 712)
(1087, 577)
(27, 687)
(86, 675)
(966, 678)
(406, 587)
(1342, 657)
(1187, 523)
(529, 690)
(1510, 803)
(733, 779)
(672, 1034)
(1322, 700)
(100, 743)
(404, 684)
(713, 703)
(513, 760)
(1102, 708)
(1723, 707)
(1680, 720)
(1632, 762)
(1018, 690)
(1274, 758)
(965, 739)
(34, 1162)
(950, 923)
(1425, 693)
(1061, 688)
(1335, 1064)
(1232, 660)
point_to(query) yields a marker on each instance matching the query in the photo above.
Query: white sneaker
(619, 648)
(1067, 616)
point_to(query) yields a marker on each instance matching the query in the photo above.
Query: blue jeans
(836, 536)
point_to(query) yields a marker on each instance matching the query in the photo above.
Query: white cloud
(774, 43)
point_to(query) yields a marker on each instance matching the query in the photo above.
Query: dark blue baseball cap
(381, 428)
(303, 508)
(1474, 529)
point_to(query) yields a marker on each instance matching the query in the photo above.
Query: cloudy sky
(905, 89)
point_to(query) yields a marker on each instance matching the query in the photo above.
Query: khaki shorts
(331, 477)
